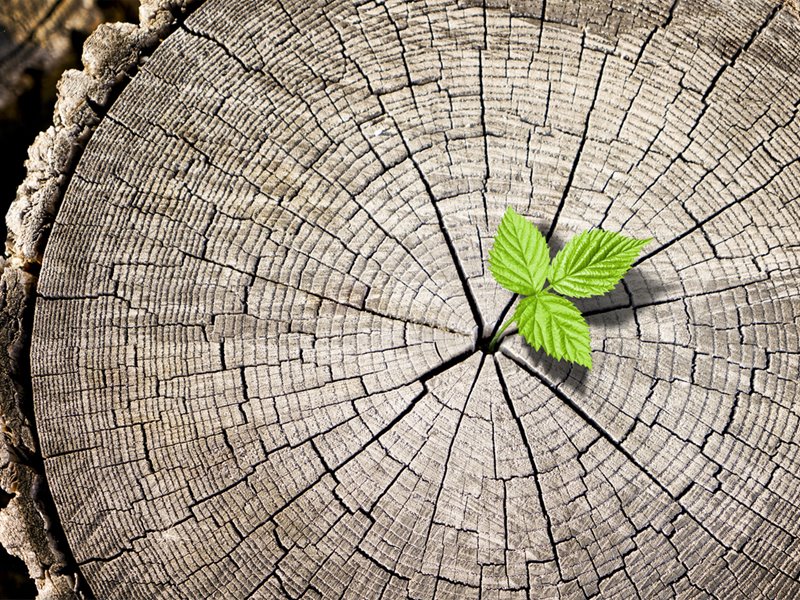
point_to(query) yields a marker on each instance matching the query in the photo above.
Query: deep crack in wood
(257, 359)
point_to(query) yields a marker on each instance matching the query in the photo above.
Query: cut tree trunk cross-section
(258, 355)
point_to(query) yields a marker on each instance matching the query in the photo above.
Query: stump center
(485, 344)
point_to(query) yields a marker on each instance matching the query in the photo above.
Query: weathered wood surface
(29, 525)
(256, 356)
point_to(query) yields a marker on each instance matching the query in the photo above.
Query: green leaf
(519, 256)
(555, 324)
(593, 262)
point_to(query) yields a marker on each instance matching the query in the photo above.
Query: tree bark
(257, 357)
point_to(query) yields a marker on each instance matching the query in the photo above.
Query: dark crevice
(14, 577)
(613, 443)
(526, 442)
(742, 49)
(449, 454)
(203, 35)
(652, 33)
(486, 340)
(541, 26)
(473, 305)
(5, 498)
(20, 122)
(41, 493)
(556, 391)
(701, 222)
(579, 153)
(487, 174)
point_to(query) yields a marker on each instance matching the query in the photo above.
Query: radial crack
(526, 442)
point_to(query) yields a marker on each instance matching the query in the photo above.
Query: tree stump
(259, 359)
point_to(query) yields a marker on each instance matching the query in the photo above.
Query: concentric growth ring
(257, 349)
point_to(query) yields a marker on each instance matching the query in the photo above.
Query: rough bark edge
(110, 54)
(43, 51)
(29, 525)
(25, 528)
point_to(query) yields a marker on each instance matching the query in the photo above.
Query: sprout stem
(496, 338)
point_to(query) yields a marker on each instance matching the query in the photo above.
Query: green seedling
(591, 264)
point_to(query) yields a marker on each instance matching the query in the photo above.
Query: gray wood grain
(256, 353)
